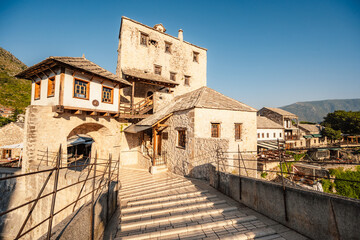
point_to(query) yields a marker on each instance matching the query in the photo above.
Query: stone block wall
(314, 214)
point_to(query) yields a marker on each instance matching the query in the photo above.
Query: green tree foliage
(343, 188)
(331, 133)
(346, 122)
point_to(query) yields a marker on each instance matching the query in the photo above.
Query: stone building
(194, 127)
(311, 136)
(11, 140)
(287, 119)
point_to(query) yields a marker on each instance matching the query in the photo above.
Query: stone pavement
(168, 206)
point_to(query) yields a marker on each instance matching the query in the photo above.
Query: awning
(136, 128)
(317, 135)
(79, 140)
(18, 145)
(272, 145)
(308, 136)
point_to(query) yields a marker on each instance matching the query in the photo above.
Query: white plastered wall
(271, 134)
(95, 93)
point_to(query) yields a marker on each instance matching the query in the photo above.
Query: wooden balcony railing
(139, 108)
(293, 137)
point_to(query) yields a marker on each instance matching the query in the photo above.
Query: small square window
(107, 95)
(280, 134)
(157, 69)
(267, 135)
(195, 57)
(51, 87)
(215, 130)
(182, 138)
(187, 81)
(262, 135)
(81, 89)
(168, 47)
(144, 39)
(274, 135)
(258, 135)
(172, 76)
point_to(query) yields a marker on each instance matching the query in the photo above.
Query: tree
(346, 122)
(331, 133)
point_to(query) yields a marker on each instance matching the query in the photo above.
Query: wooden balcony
(139, 110)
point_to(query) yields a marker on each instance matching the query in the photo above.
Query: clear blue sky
(263, 53)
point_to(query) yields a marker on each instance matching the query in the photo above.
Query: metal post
(283, 183)
(218, 168)
(54, 193)
(92, 201)
(240, 189)
(117, 179)
(108, 191)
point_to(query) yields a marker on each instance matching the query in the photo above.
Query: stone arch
(104, 141)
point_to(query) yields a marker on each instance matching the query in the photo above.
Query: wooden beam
(92, 77)
(132, 97)
(61, 92)
(38, 76)
(93, 113)
(51, 70)
(44, 73)
(78, 112)
(154, 146)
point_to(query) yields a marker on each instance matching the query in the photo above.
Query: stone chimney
(181, 36)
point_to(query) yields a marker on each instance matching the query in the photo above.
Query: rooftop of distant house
(265, 123)
(281, 112)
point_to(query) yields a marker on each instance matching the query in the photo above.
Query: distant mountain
(14, 93)
(315, 111)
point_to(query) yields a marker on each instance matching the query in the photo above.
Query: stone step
(193, 228)
(167, 198)
(152, 193)
(132, 225)
(151, 186)
(145, 181)
(254, 234)
(199, 206)
(166, 204)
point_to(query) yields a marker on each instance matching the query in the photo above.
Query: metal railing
(226, 162)
(101, 178)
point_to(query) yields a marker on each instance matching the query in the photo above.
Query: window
(314, 140)
(181, 138)
(6, 153)
(187, 81)
(37, 90)
(168, 47)
(238, 127)
(262, 135)
(195, 57)
(274, 135)
(267, 135)
(81, 89)
(157, 69)
(172, 76)
(258, 135)
(279, 134)
(51, 87)
(144, 39)
(215, 130)
(107, 95)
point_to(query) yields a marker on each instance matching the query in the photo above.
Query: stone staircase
(167, 206)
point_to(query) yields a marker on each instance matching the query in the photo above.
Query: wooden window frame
(267, 135)
(87, 89)
(258, 135)
(173, 74)
(181, 138)
(112, 94)
(157, 67)
(168, 50)
(274, 135)
(218, 130)
(262, 135)
(7, 151)
(37, 96)
(146, 39)
(51, 79)
(186, 77)
(196, 57)
(280, 135)
(238, 131)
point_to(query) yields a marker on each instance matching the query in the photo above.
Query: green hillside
(14, 93)
(315, 111)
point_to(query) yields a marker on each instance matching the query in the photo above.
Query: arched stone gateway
(45, 131)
